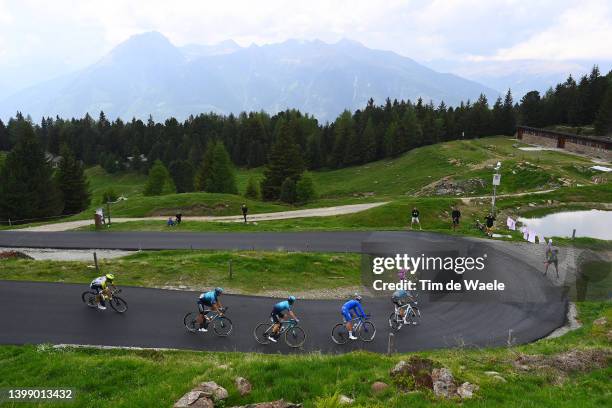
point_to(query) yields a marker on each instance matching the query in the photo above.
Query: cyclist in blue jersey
(279, 313)
(350, 308)
(208, 301)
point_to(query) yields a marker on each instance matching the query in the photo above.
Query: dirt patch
(455, 187)
(14, 255)
(562, 364)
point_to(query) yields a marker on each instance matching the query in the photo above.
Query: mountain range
(148, 75)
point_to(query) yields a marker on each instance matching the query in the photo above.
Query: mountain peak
(147, 46)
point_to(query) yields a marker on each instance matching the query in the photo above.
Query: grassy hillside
(146, 378)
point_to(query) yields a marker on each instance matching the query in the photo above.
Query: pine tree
(508, 116)
(368, 142)
(305, 189)
(202, 179)
(4, 137)
(72, 182)
(159, 181)
(222, 178)
(285, 161)
(252, 189)
(287, 191)
(182, 173)
(27, 189)
(603, 121)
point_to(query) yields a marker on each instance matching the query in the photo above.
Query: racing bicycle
(294, 335)
(221, 324)
(412, 314)
(118, 304)
(363, 329)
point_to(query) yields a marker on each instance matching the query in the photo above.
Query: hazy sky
(40, 39)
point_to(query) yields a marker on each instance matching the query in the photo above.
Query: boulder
(194, 399)
(602, 321)
(417, 368)
(443, 382)
(243, 385)
(212, 390)
(499, 378)
(344, 400)
(379, 386)
(466, 390)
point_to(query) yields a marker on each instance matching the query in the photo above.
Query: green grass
(148, 378)
(252, 271)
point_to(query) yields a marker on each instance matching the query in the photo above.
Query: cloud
(581, 32)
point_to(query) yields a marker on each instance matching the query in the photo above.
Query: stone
(466, 390)
(500, 378)
(419, 369)
(491, 373)
(443, 382)
(379, 386)
(213, 390)
(602, 321)
(194, 399)
(243, 385)
(344, 400)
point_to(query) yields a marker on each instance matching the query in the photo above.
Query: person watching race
(350, 308)
(279, 314)
(101, 286)
(401, 298)
(207, 302)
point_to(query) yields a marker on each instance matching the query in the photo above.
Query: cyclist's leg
(200, 317)
(346, 316)
(277, 322)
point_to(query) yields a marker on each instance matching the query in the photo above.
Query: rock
(273, 404)
(491, 373)
(466, 390)
(379, 386)
(194, 399)
(243, 385)
(609, 335)
(213, 390)
(443, 382)
(344, 400)
(500, 378)
(602, 321)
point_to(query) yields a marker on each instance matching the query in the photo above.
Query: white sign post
(496, 182)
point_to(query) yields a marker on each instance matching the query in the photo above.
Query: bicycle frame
(408, 310)
(285, 325)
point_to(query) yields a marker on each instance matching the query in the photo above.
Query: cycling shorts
(97, 288)
(346, 314)
(276, 316)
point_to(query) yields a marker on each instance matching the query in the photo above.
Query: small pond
(589, 223)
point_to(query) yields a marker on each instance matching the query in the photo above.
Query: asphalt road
(530, 307)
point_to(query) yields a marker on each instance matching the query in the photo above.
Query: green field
(252, 272)
(147, 378)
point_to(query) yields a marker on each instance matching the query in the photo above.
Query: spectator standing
(415, 218)
(245, 210)
(456, 215)
(489, 221)
(552, 258)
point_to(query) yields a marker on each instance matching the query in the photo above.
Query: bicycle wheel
(339, 334)
(89, 298)
(261, 333)
(190, 322)
(222, 326)
(119, 305)
(394, 323)
(367, 331)
(295, 337)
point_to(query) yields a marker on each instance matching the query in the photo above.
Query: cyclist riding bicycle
(279, 314)
(207, 302)
(401, 298)
(101, 286)
(350, 308)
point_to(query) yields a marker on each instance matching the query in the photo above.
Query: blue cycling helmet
(291, 299)
(218, 291)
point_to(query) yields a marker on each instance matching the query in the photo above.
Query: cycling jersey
(208, 298)
(352, 307)
(99, 282)
(400, 297)
(281, 307)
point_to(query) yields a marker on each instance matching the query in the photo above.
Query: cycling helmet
(291, 299)
(357, 297)
(110, 276)
(218, 291)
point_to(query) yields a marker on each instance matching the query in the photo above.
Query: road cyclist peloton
(207, 302)
(101, 286)
(279, 314)
(350, 308)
